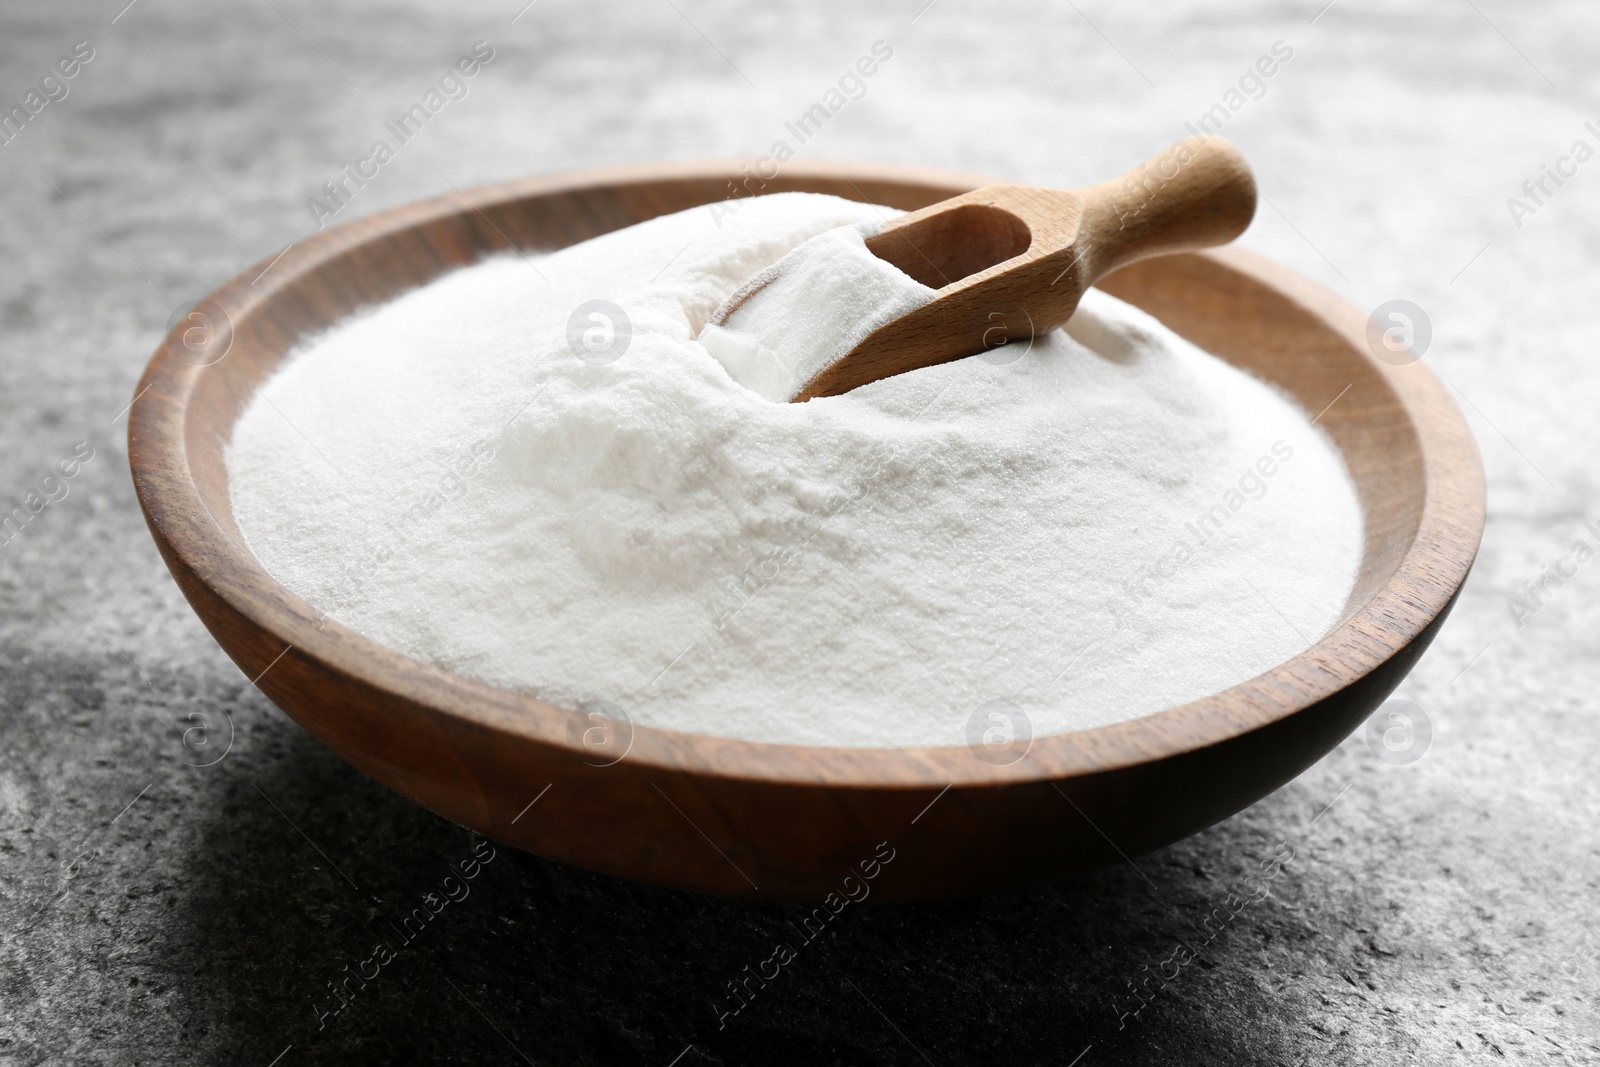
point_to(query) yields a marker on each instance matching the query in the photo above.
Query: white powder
(1112, 524)
(813, 306)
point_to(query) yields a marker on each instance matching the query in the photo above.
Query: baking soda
(535, 473)
(808, 310)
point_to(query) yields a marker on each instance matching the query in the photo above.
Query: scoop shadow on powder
(1113, 342)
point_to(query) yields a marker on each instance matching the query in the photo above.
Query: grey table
(156, 910)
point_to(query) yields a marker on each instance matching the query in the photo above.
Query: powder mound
(808, 310)
(1098, 527)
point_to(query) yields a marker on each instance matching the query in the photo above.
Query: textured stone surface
(1436, 913)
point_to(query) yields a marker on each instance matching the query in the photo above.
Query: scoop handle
(1010, 261)
(1196, 194)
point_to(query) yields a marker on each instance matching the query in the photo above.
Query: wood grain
(1010, 262)
(781, 821)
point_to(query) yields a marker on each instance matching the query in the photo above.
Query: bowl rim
(1420, 589)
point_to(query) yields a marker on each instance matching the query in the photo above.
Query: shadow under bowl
(779, 821)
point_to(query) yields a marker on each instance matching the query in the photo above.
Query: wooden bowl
(780, 821)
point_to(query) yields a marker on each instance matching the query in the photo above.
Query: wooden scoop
(1010, 262)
